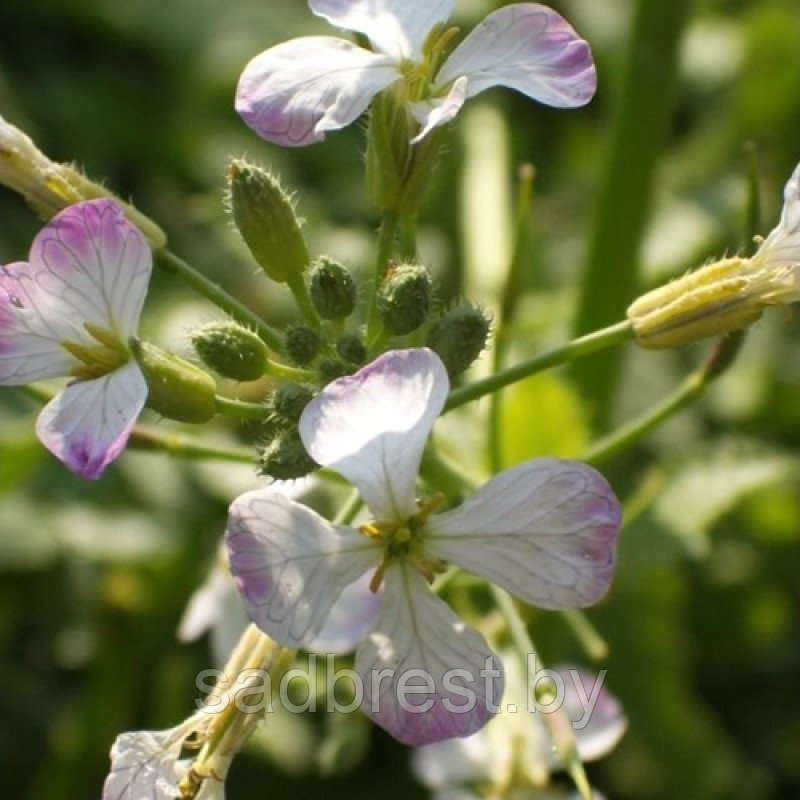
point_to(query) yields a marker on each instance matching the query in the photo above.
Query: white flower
(546, 530)
(295, 92)
(70, 311)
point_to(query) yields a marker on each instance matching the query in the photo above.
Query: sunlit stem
(181, 446)
(718, 360)
(509, 298)
(558, 724)
(350, 507)
(408, 238)
(289, 373)
(241, 409)
(577, 348)
(297, 286)
(168, 261)
(386, 243)
(594, 645)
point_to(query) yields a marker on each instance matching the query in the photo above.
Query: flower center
(418, 75)
(404, 539)
(97, 360)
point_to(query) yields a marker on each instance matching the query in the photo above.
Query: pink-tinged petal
(294, 92)
(782, 246)
(145, 765)
(350, 618)
(290, 564)
(433, 113)
(30, 342)
(87, 425)
(427, 676)
(397, 28)
(89, 263)
(597, 718)
(529, 48)
(372, 426)
(545, 530)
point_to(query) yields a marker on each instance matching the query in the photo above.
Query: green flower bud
(289, 400)
(330, 369)
(231, 350)
(404, 298)
(459, 336)
(333, 290)
(176, 388)
(351, 348)
(264, 215)
(302, 344)
(285, 458)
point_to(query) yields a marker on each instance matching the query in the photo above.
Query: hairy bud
(404, 298)
(285, 458)
(459, 336)
(231, 350)
(302, 344)
(332, 288)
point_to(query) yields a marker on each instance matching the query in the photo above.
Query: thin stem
(289, 373)
(297, 286)
(594, 645)
(509, 298)
(168, 261)
(351, 507)
(408, 238)
(241, 409)
(386, 243)
(177, 444)
(718, 360)
(577, 348)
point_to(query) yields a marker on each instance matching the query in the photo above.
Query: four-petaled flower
(295, 92)
(70, 311)
(546, 530)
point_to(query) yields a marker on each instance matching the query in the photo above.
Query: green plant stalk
(556, 721)
(386, 243)
(177, 444)
(718, 360)
(241, 409)
(408, 238)
(297, 286)
(577, 348)
(642, 117)
(509, 298)
(169, 262)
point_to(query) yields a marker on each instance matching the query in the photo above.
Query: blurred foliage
(703, 619)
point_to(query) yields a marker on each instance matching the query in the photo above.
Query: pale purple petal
(91, 263)
(782, 246)
(290, 564)
(529, 48)
(426, 674)
(294, 92)
(432, 113)
(471, 760)
(372, 426)
(145, 765)
(88, 424)
(546, 530)
(597, 718)
(350, 618)
(397, 28)
(30, 342)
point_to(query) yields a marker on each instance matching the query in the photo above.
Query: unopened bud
(285, 458)
(176, 388)
(264, 215)
(302, 345)
(351, 348)
(231, 350)
(49, 187)
(404, 298)
(289, 400)
(330, 369)
(332, 289)
(459, 336)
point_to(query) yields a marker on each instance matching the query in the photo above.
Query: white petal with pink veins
(427, 676)
(290, 564)
(372, 426)
(88, 424)
(529, 48)
(294, 92)
(545, 530)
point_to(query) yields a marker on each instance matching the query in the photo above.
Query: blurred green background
(649, 180)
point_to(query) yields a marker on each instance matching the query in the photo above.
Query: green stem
(386, 237)
(241, 409)
(590, 639)
(408, 238)
(718, 360)
(168, 261)
(509, 298)
(577, 348)
(297, 286)
(289, 373)
(177, 444)
(351, 507)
